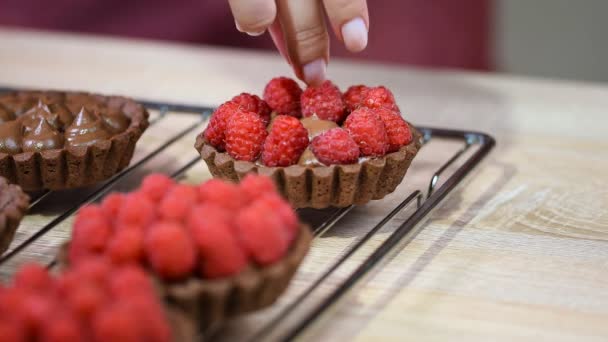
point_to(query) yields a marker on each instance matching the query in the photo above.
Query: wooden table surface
(519, 253)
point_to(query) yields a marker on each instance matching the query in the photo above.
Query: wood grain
(519, 253)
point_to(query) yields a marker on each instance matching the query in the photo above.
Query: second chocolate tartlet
(61, 140)
(13, 205)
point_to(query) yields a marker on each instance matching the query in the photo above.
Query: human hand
(298, 29)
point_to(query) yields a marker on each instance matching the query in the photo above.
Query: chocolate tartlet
(211, 302)
(13, 205)
(61, 140)
(312, 185)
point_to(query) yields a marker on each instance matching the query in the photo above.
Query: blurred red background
(431, 33)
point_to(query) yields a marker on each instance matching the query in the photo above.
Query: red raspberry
(90, 236)
(117, 323)
(207, 212)
(367, 130)
(35, 311)
(9, 331)
(12, 299)
(128, 281)
(215, 131)
(137, 210)
(261, 233)
(223, 193)
(85, 299)
(62, 328)
(255, 186)
(126, 246)
(287, 140)
(324, 101)
(151, 316)
(273, 201)
(377, 97)
(253, 103)
(89, 212)
(177, 202)
(33, 277)
(170, 251)
(95, 269)
(220, 252)
(354, 96)
(335, 147)
(397, 129)
(283, 95)
(245, 134)
(111, 204)
(155, 186)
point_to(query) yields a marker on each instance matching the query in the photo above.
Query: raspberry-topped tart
(60, 140)
(13, 205)
(94, 301)
(217, 249)
(322, 147)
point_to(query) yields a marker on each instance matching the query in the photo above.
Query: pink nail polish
(314, 72)
(354, 33)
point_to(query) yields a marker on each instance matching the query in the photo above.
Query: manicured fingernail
(255, 34)
(314, 72)
(354, 33)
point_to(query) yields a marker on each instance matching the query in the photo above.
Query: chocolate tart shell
(13, 205)
(206, 304)
(73, 167)
(322, 186)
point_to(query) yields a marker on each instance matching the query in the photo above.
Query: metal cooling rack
(301, 307)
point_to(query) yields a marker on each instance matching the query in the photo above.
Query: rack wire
(308, 298)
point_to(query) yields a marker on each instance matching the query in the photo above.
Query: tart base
(13, 205)
(322, 186)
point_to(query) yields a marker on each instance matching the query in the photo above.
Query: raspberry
(335, 147)
(129, 281)
(273, 201)
(126, 246)
(111, 204)
(151, 316)
(204, 213)
(220, 251)
(324, 101)
(255, 186)
(95, 269)
(12, 299)
(136, 210)
(35, 310)
(253, 103)
(283, 95)
(90, 236)
(170, 250)
(261, 233)
(177, 202)
(223, 193)
(397, 129)
(155, 186)
(245, 134)
(117, 323)
(89, 212)
(85, 299)
(215, 131)
(62, 328)
(377, 97)
(9, 331)
(354, 96)
(33, 277)
(367, 130)
(285, 143)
